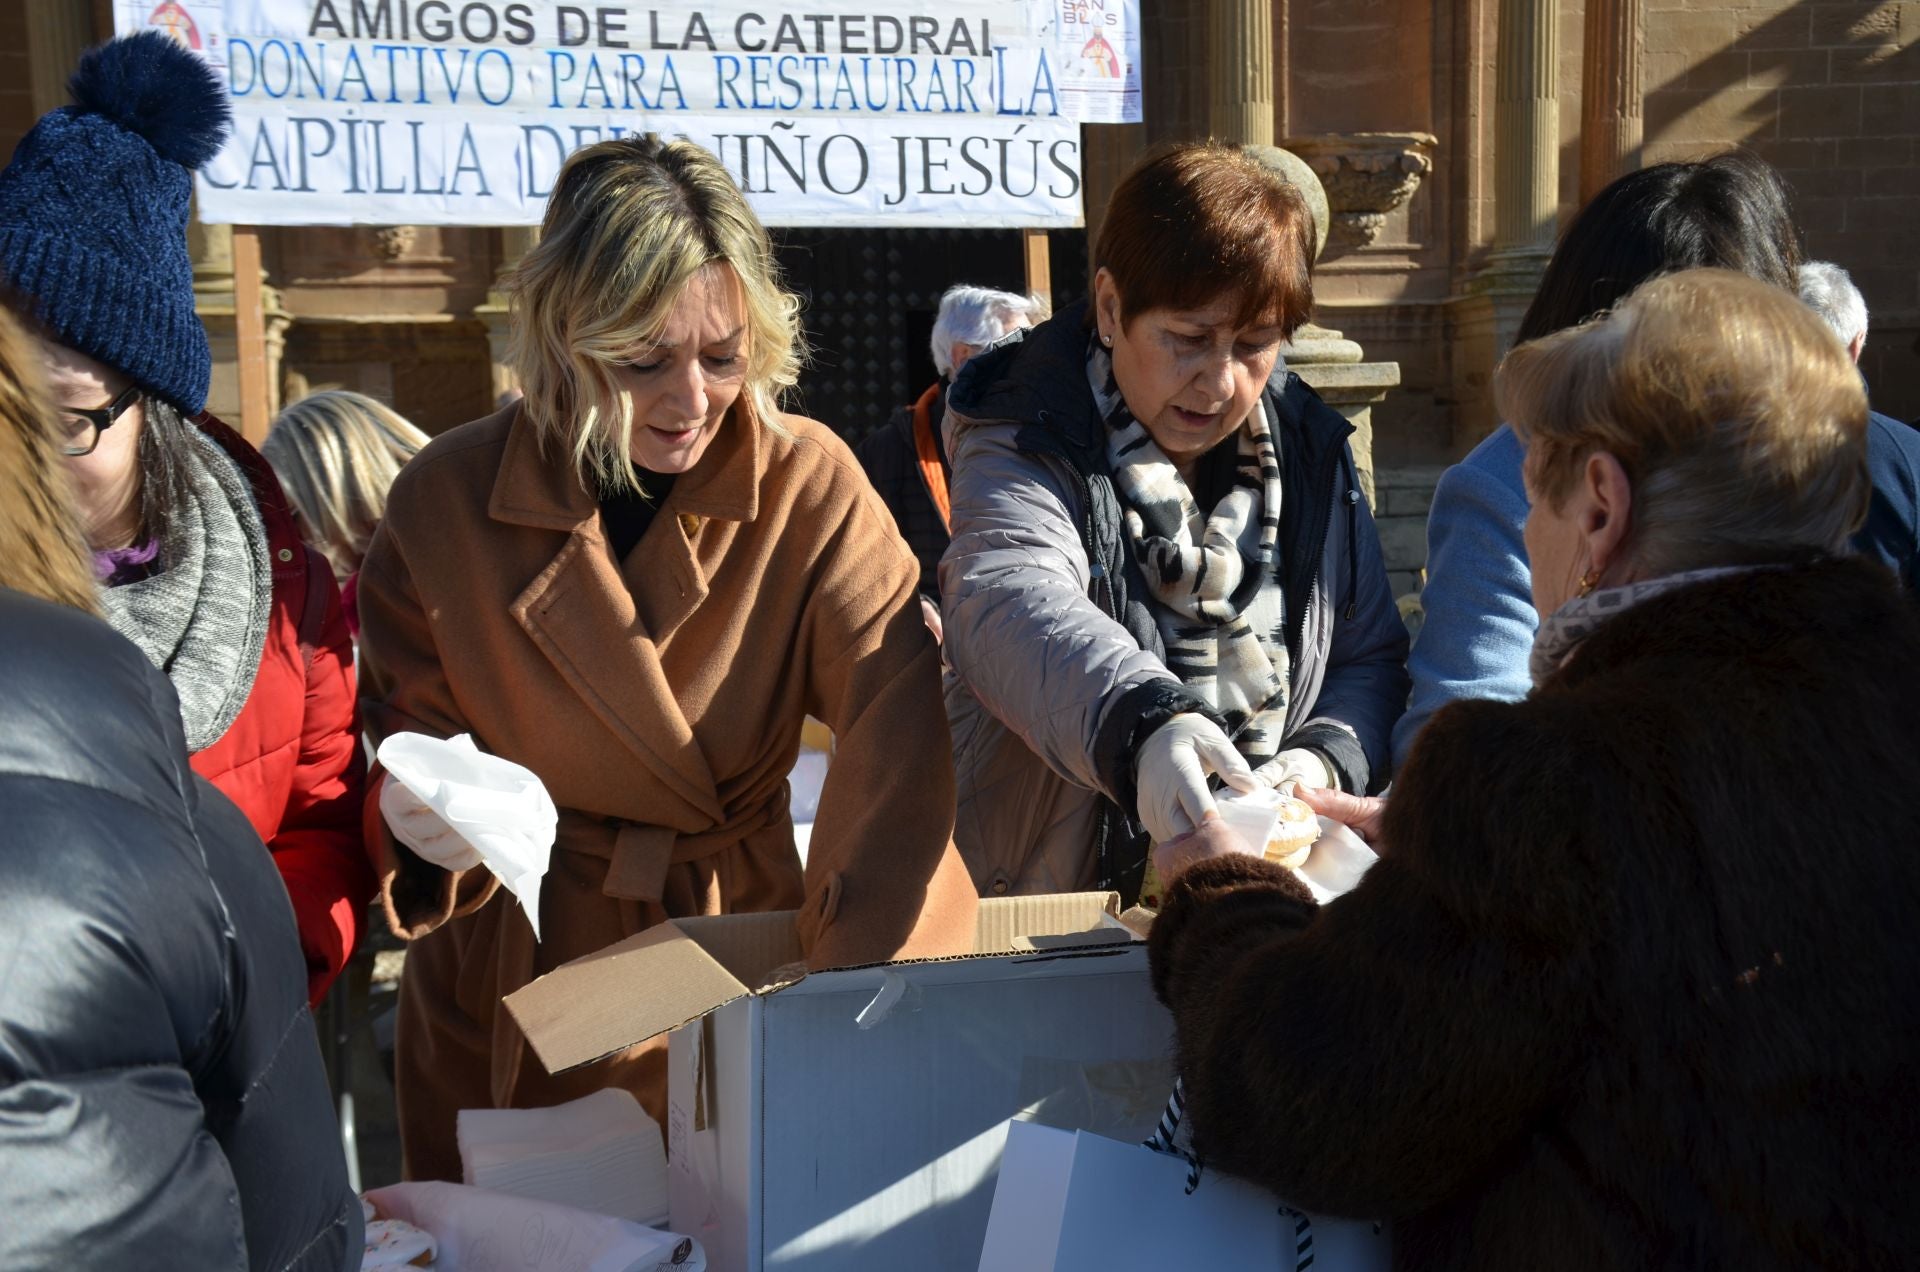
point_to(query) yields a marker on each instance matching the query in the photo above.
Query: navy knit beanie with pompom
(93, 213)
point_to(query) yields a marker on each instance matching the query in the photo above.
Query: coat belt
(638, 855)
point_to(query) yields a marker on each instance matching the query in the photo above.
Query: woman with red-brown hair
(1162, 566)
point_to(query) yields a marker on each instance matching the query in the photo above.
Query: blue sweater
(1479, 594)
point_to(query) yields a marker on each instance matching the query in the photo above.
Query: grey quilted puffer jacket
(1054, 663)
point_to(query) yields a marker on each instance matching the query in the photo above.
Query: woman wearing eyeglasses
(194, 544)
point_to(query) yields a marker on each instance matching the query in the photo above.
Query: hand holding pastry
(1362, 814)
(1213, 838)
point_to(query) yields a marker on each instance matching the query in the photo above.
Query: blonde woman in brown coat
(638, 582)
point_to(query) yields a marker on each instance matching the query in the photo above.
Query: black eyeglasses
(82, 428)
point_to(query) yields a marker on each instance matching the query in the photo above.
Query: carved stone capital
(391, 242)
(1366, 176)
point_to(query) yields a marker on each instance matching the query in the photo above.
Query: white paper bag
(499, 807)
(1071, 1202)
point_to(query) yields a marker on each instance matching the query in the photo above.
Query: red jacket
(291, 760)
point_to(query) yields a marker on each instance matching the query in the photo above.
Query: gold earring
(1589, 581)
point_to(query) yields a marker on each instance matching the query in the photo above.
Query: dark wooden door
(868, 302)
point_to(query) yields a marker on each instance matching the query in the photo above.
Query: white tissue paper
(481, 1231)
(1252, 815)
(602, 1152)
(499, 807)
(806, 782)
(1336, 863)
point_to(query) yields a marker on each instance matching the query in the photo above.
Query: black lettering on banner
(529, 161)
(486, 31)
(419, 178)
(922, 30)
(263, 145)
(1072, 175)
(887, 44)
(353, 156)
(797, 174)
(740, 32)
(303, 152)
(325, 19)
(986, 173)
(440, 15)
(821, 159)
(928, 163)
(900, 171)
(466, 160)
(378, 144)
(1013, 143)
(375, 23)
(519, 24)
(610, 23)
(697, 32)
(565, 16)
(853, 33)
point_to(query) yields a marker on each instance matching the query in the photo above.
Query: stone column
(515, 241)
(211, 248)
(1241, 70)
(1329, 362)
(1526, 132)
(1526, 126)
(1611, 92)
(58, 32)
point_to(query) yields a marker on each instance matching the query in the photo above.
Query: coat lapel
(668, 572)
(581, 614)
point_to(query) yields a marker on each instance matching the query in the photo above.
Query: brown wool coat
(661, 701)
(1636, 984)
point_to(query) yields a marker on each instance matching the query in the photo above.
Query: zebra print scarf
(1214, 577)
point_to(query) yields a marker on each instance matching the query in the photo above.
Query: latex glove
(1361, 814)
(1300, 766)
(1172, 770)
(422, 829)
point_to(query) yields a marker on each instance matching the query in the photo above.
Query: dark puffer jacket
(162, 1100)
(891, 456)
(1634, 985)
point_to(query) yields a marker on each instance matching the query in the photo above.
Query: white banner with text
(461, 112)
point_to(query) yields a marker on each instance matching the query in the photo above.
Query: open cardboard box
(855, 1118)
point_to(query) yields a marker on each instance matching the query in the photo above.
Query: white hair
(978, 316)
(1826, 289)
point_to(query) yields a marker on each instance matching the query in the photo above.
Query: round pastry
(395, 1243)
(1293, 834)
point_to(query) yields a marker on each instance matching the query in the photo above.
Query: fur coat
(1634, 983)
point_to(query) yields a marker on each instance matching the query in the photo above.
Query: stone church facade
(1453, 138)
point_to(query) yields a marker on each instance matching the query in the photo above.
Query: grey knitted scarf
(202, 618)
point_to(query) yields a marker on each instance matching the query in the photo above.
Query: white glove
(423, 830)
(1300, 767)
(1172, 769)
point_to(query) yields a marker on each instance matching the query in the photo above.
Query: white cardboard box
(854, 1119)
